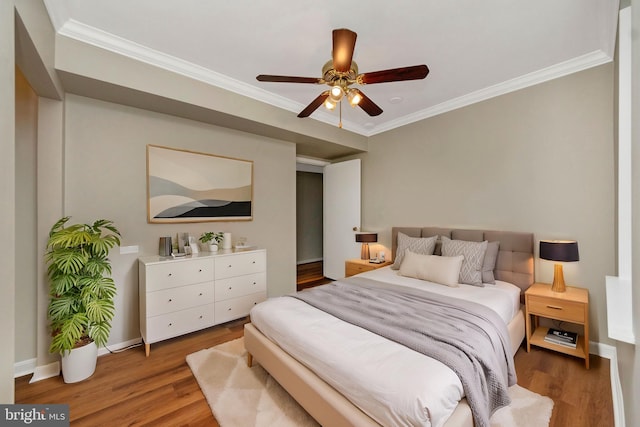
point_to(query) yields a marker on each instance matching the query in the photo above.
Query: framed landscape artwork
(187, 186)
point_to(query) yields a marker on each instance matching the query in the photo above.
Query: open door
(341, 212)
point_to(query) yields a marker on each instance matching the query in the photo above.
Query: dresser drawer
(235, 308)
(240, 264)
(178, 273)
(234, 287)
(179, 322)
(556, 309)
(176, 299)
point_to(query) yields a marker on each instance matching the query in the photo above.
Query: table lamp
(365, 239)
(562, 251)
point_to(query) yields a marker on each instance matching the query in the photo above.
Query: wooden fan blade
(287, 79)
(314, 104)
(416, 72)
(368, 105)
(344, 43)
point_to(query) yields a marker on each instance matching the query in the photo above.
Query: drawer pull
(254, 283)
(170, 274)
(230, 265)
(201, 316)
(170, 324)
(200, 271)
(229, 309)
(555, 307)
(200, 294)
(170, 300)
(253, 262)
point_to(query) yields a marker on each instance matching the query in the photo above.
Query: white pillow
(433, 268)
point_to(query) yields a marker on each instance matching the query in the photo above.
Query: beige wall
(539, 160)
(26, 218)
(105, 177)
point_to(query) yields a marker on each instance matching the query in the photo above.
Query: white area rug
(240, 396)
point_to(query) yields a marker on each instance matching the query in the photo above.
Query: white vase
(213, 248)
(79, 363)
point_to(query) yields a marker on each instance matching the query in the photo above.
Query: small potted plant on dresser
(81, 293)
(211, 239)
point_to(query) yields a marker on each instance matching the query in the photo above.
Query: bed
(302, 364)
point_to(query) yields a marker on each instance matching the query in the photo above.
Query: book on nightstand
(560, 337)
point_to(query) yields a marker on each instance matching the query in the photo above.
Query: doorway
(309, 225)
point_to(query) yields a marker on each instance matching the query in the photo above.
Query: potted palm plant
(81, 293)
(212, 239)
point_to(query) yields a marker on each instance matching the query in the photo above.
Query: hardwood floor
(129, 389)
(582, 397)
(310, 275)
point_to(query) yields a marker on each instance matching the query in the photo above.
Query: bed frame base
(323, 402)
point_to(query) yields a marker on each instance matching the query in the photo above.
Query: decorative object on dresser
(365, 239)
(561, 251)
(165, 248)
(187, 186)
(81, 293)
(571, 306)
(212, 240)
(178, 296)
(356, 266)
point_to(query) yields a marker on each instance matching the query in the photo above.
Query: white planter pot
(79, 363)
(213, 248)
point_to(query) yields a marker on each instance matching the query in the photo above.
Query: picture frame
(188, 186)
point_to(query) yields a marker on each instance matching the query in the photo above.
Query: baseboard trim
(611, 353)
(45, 371)
(113, 348)
(50, 370)
(25, 367)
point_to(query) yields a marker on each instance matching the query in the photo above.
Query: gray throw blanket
(471, 339)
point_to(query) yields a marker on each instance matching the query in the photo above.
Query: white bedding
(394, 385)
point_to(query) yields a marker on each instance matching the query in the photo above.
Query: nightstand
(357, 266)
(571, 306)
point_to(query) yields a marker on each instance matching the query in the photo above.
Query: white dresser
(182, 295)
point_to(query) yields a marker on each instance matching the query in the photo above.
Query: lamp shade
(559, 250)
(366, 237)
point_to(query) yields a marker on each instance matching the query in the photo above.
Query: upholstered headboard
(515, 257)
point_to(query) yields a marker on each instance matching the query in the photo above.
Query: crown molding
(574, 65)
(104, 40)
(111, 42)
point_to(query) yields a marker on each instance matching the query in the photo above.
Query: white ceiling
(474, 49)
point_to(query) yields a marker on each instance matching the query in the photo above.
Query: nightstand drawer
(556, 309)
(353, 269)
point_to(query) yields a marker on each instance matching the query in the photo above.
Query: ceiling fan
(341, 72)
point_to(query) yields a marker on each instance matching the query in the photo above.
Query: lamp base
(558, 279)
(364, 251)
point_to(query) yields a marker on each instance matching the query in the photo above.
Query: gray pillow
(418, 245)
(473, 252)
(489, 263)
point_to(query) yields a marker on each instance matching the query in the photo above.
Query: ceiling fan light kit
(341, 72)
